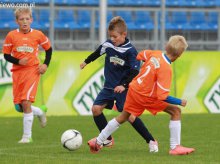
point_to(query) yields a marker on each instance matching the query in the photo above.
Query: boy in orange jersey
(150, 90)
(21, 49)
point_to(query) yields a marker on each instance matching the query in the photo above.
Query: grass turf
(201, 131)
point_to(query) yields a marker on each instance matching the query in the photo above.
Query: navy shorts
(109, 97)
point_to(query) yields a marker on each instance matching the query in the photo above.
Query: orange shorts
(136, 104)
(25, 83)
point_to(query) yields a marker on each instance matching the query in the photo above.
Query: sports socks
(111, 127)
(101, 122)
(27, 124)
(142, 130)
(36, 111)
(175, 133)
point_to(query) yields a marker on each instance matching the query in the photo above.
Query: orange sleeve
(7, 46)
(44, 41)
(144, 55)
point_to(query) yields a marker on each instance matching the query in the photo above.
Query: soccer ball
(71, 139)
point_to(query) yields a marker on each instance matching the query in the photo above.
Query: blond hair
(117, 23)
(176, 45)
(21, 10)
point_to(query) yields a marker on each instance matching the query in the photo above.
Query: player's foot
(25, 140)
(42, 118)
(153, 146)
(94, 146)
(180, 150)
(108, 143)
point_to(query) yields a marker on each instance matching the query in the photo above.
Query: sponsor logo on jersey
(116, 60)
(155, 62)
(212, 99)
(25, 49)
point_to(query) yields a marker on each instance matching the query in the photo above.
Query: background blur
(75, 24)
(77, 27)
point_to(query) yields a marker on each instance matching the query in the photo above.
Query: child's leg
(27, 119)
(36, 111)
(175, 125)
(112, 126)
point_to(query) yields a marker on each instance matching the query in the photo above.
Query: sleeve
(144, 55)
(44, 41)
(96, 54)
(164, 79)
(7, 45)
(173, 100)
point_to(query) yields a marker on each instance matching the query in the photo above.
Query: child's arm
(96, 54)
(15, 60)
(43, 67)
(175, 101)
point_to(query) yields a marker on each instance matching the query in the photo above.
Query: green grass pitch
(201, 131)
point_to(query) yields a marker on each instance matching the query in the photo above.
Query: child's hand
(82, 65)
(23, 61)
(42, 68)
(184, 102)
(119, 89)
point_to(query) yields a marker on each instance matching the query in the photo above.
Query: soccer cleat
(153, 146)
(94, 146)
(180, 150)
(42, 118)
(108, 143)
(25, 140)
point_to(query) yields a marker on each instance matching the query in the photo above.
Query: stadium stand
(128, 17)
(198, 21)
(65, 20)
(74, 18)
(143, 20)
(84, 18)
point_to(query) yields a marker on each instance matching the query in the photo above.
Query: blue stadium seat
(172, 3)
(212, 20)
(128, 17)
(151, 2)
(189, 3)
(205, 3)
(7, 19)
(42, 2)
(198, 21)
(61, 2)
(109, 17)
(143, 20)
(83, 2)
(84, 19)
(179, 21)
(44, 16)
(116, 2)
(217, 3)
(65, 20)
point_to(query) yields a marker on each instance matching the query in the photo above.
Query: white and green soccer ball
(71, 139)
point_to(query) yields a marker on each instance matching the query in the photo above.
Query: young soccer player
(121, 67)
(21, 49)
(150, 90)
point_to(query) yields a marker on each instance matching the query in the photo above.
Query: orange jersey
(154, 79)
(21, 45)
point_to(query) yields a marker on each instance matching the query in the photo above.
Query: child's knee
(18, 108)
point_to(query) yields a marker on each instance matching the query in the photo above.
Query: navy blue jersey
(118, 62)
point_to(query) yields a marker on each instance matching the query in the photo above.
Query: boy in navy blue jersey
(121, 67)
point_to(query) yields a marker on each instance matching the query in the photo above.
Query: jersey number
(139, 80)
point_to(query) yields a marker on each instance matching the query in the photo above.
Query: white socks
(27, 124)
(110, 128)
(175, 133)
(36, 111)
